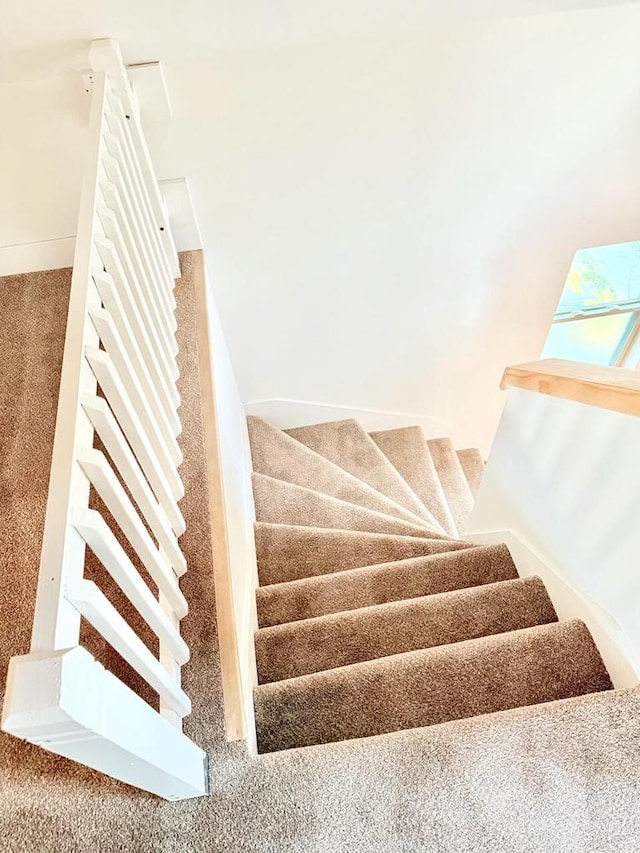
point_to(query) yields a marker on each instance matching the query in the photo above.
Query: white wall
(41, 149)
(563, 477)
(389, 222)
(389, 201)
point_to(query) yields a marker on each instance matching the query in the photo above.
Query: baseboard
(571, 603)
(40, 255)
(287, 414)
(58, 253)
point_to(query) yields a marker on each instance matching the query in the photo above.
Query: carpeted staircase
(374, 616)
(559, 776)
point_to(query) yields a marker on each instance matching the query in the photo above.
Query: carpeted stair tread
(473, 466)
(279, 502)
(406, 448)
(346, 444)
(430, 686)
(277, 455)
(287, 552)
(379, 584)
(454, 482)
(341, 639)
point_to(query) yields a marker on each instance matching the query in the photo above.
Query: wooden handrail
(605, 387)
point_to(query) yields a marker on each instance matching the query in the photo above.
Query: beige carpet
(280, 456)
(406, 449)
(346, 444)
(353, 636)
(473, 467)
(454, 482)
(384, 658)
(289, 552)
(429, 686)
(279, 502)
(379, 584)
(560, 777)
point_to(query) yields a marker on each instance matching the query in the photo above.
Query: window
(598, 316)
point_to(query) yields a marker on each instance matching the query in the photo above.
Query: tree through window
(598, 316)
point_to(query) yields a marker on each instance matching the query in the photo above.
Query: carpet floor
(561, 776)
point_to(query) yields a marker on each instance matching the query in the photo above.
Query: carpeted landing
(557, 776)
(371, 624)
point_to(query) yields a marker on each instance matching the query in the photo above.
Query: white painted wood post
(120, 337)
(68, 703)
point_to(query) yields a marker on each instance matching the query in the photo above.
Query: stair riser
(429, 687)
(320, 644)
(407, 450)
(289, 553)
(275, 454)
(346, 444)
(278, 502)
(454, 482)
(365, 587)
(472, 465)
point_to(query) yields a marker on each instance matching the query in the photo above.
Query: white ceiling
(40, 39)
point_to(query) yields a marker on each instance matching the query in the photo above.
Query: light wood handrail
(605, 387)
(234, 710)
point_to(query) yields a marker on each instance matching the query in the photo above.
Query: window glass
(604, 275)
(595, 340)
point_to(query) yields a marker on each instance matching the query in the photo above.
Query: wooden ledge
(605, 387)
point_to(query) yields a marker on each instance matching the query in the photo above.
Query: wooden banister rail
(605, 387)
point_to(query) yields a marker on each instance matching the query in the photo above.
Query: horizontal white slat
(119, 400)
(119, 127)
(160, 316)
(172, 666)
(95, 532)
(166, 390)
(99, 612)
(113, 231)
(56, 624)
(165, 446)
(119, 148)
(170, 422)
(116, 166)
(150, 183)
(95, 466)
(129, 469)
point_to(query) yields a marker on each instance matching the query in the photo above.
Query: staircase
(449, 706)
(374, 614)
(561, 775)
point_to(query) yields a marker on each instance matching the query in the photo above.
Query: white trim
(182, 216)
(69, 704)
(288, 413)
(570, 603)
(150, 87)
(53, 254)
(57, 252)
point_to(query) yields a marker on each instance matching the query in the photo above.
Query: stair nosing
(434, 534)
(326, 617)
(405, 513)
(274, 686)
(387, 464)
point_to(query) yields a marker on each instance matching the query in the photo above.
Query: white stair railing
(118, 382)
